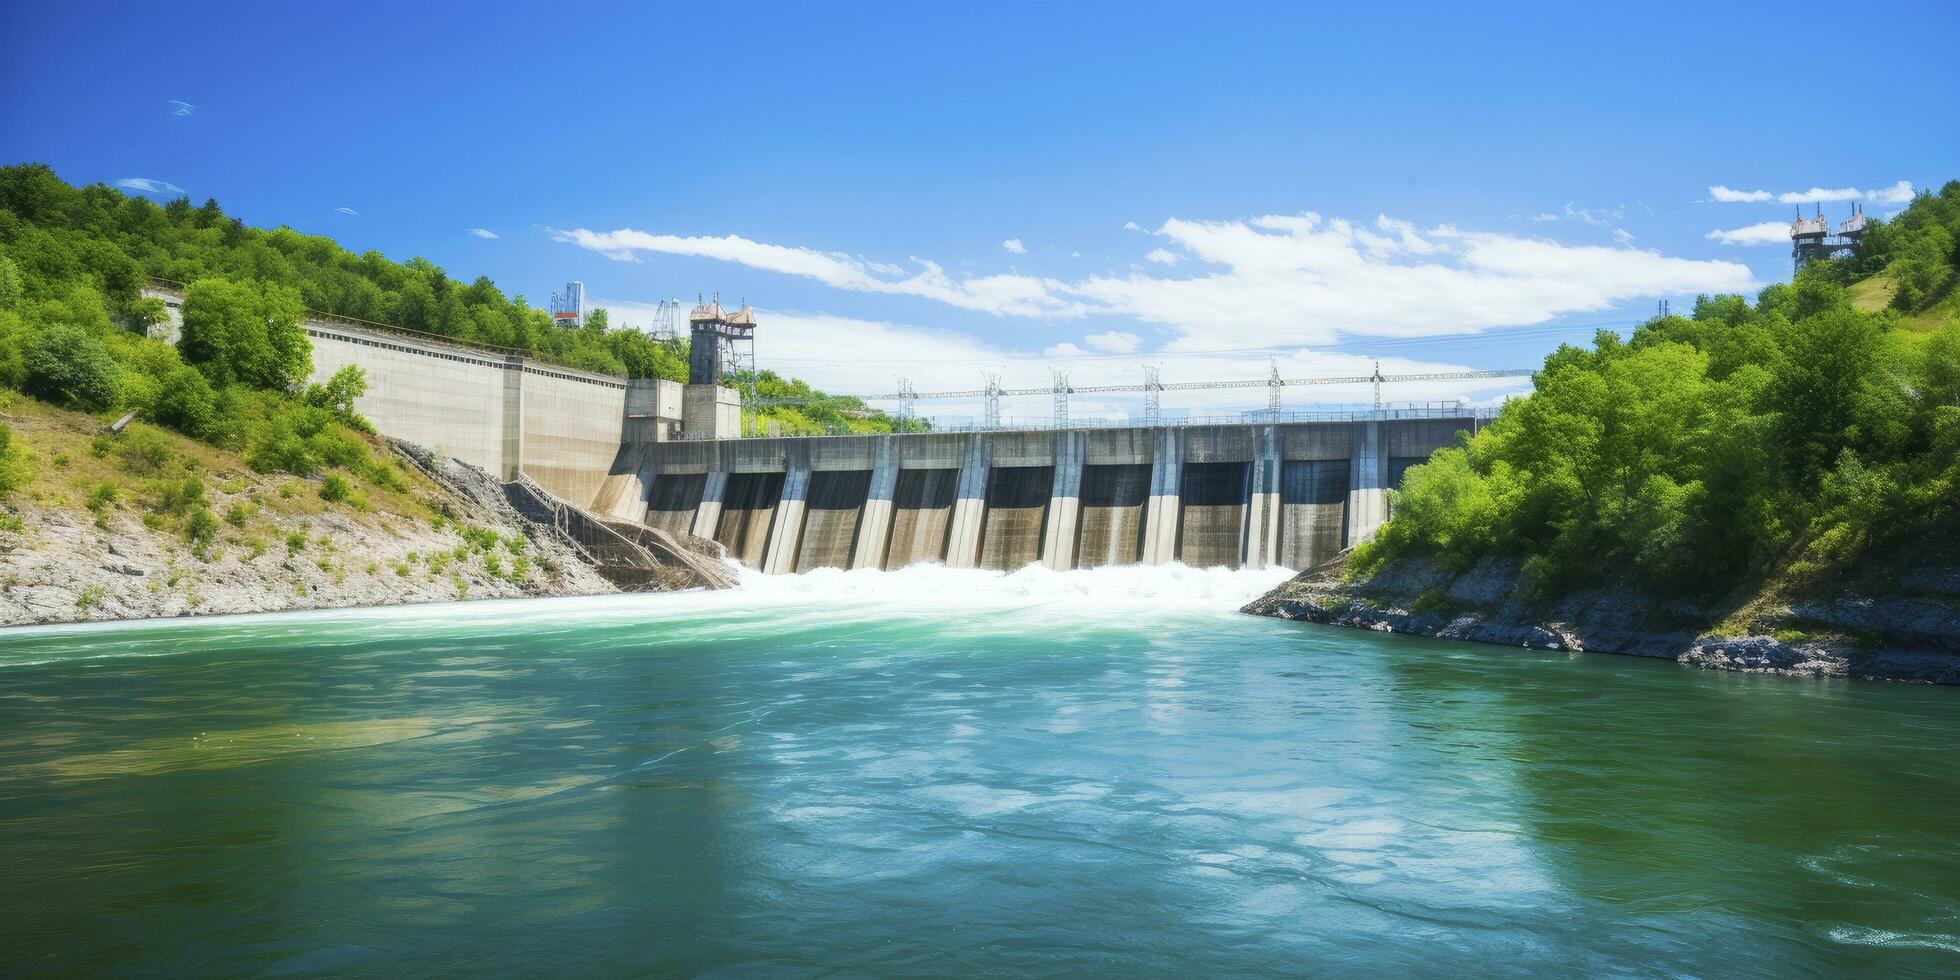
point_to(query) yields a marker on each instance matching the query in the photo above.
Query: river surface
(949, 772)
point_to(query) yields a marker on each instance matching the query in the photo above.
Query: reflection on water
(948, 772)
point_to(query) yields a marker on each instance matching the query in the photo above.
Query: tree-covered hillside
(1791, 436)
(55, 238)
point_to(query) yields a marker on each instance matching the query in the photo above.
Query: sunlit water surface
(949, 772)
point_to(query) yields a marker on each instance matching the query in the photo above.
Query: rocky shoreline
(1907, 631)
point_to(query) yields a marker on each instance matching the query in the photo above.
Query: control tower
(721, 348)
(1812, 238)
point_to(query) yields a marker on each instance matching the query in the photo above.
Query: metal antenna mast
(1272, 392)
(1152, 384)
(1061, 398)
(992, 395)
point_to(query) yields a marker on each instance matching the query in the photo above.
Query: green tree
(245, 334)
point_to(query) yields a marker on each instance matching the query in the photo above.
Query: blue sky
(933, 191)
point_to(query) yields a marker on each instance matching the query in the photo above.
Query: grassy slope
(272, 527)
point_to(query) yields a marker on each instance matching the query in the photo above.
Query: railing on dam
(1396, 412)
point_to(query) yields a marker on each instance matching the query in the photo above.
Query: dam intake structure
(1251, 495)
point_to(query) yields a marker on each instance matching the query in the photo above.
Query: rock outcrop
(1896, 627)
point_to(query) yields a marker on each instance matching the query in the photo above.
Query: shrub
(144, 451)
(186, 402)
(296, 541)
(335, 488)
(68, 366)
(200, 526)
(13, 464)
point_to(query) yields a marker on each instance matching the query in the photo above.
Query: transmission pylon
(1378, 379)
(992, 395)
(1061, 399)
(908, 399)
(666, 320)
(1152, 384)
(1273, 385)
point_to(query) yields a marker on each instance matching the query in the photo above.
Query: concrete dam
(660, 453)
(1248, 495)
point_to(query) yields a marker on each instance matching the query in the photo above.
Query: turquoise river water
(1107, 772)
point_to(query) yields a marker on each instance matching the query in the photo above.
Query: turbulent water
(949, 772)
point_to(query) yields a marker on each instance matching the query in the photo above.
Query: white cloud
(483, 233)
(1764, 233)
(1114, 342)
(1161, 256)
(149, 185)
(1899, 193)
(1014, 245)
(179, 107)
(1296, 279)
(345, 211)
(1276, 280)
(1719, 193)
(1819, 195)
(1075, 255)
(845, 355)
(1015, 295)
(1622, 236)
(1543, 216)
(1131, 226)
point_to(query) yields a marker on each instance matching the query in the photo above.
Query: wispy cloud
(483, 233)
(1016, 295)
(1727, 195)
(1132, 226)
(179, 107)
(149, 185)
(1598, 217)
(1161, 256)
(1623, 236)
(345, 211)
(1762, 233)
(1271, 280)
(1014, 245)
(1898, 193)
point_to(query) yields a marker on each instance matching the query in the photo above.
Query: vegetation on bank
(1791, 437)
(73, 261)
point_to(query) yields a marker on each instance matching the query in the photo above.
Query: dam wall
(563, 427)
(1252, 495)
(560, 426)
